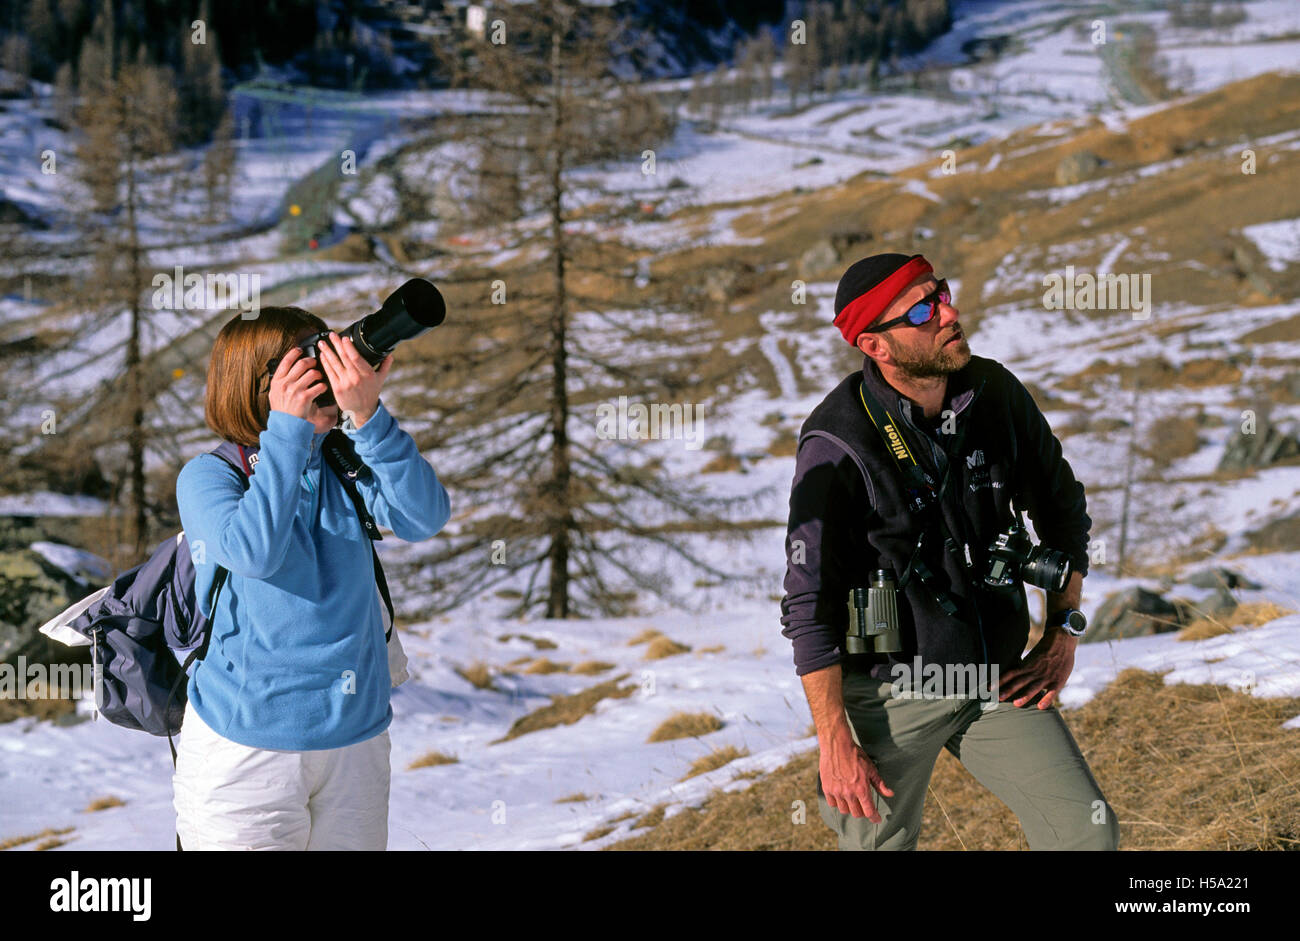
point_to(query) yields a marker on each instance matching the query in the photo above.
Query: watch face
(1076, 622)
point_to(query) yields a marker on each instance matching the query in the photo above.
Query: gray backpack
(145, 630)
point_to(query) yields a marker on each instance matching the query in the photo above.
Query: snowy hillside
(554, 787)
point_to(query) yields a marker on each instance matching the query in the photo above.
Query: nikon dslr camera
(1013, 557)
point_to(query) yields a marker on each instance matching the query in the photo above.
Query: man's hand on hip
(1045, 670)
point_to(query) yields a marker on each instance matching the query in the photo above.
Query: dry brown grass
(721, 464)
(645, 636)
(103, 803)
(686, 725)
(566, 710)
(1171, 438)
(784, 445)
(1254, 614)
(662, 647)
(1279, 331)
(1184, 767)
(539, 643)
(715, 760)
(653, 817)
(574, 799)
(432, 759)
(597, 833)
(716, 648)
(46, 834)
(1155, 373)
(591, 667)
(478, 675)
(544, 665)
(35, 705)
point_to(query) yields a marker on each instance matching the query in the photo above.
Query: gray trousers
(1024, 755)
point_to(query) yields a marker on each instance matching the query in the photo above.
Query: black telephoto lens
(413, 308)
(1047, 569)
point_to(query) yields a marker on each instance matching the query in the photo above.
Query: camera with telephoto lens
(873, 616)
(409, 311)
(1013, 557)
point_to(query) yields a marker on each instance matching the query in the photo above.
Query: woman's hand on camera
(355, 382)
(295, 385)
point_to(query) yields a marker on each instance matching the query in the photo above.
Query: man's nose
(948, 315)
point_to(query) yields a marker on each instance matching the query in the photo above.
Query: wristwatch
(1070, 620)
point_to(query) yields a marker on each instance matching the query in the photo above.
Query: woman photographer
(285, 741)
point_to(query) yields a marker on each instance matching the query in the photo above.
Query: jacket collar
(317, 439)
(957, 396)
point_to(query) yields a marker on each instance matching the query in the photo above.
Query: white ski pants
(230, 796)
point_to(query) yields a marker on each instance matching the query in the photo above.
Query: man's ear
(873, 345)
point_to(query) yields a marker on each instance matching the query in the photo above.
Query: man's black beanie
(867, 288)
(864, 275)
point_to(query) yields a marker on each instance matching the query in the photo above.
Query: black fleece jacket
(849, 516)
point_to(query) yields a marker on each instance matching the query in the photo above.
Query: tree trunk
(135, 437)
(1128, 482)
(557, 603)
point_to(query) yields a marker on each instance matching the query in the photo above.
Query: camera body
(412, 309)
(1014, 558)
(311, 349)
(873, 616)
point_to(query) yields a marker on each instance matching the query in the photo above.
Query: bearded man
(906, 570)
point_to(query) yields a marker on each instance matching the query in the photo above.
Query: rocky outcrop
(1268, 445)
(33, 590)
(1079, 166)
(1135, 612)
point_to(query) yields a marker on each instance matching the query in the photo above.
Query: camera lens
(413, 308)
(1047, 569)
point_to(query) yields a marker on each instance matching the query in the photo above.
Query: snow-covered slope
(509, 795)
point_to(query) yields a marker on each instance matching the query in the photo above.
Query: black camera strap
(925, 496)
(340, 454)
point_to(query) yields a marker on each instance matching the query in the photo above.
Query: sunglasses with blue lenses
(922, 312)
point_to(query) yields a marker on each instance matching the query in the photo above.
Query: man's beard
(940, 362)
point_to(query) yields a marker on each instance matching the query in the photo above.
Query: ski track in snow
(1107, 264)
(770, 346)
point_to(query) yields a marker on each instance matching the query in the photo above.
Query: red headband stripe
(859, 313)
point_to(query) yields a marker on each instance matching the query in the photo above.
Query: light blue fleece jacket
(297, 658)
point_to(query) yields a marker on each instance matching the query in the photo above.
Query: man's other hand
(848, 777)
